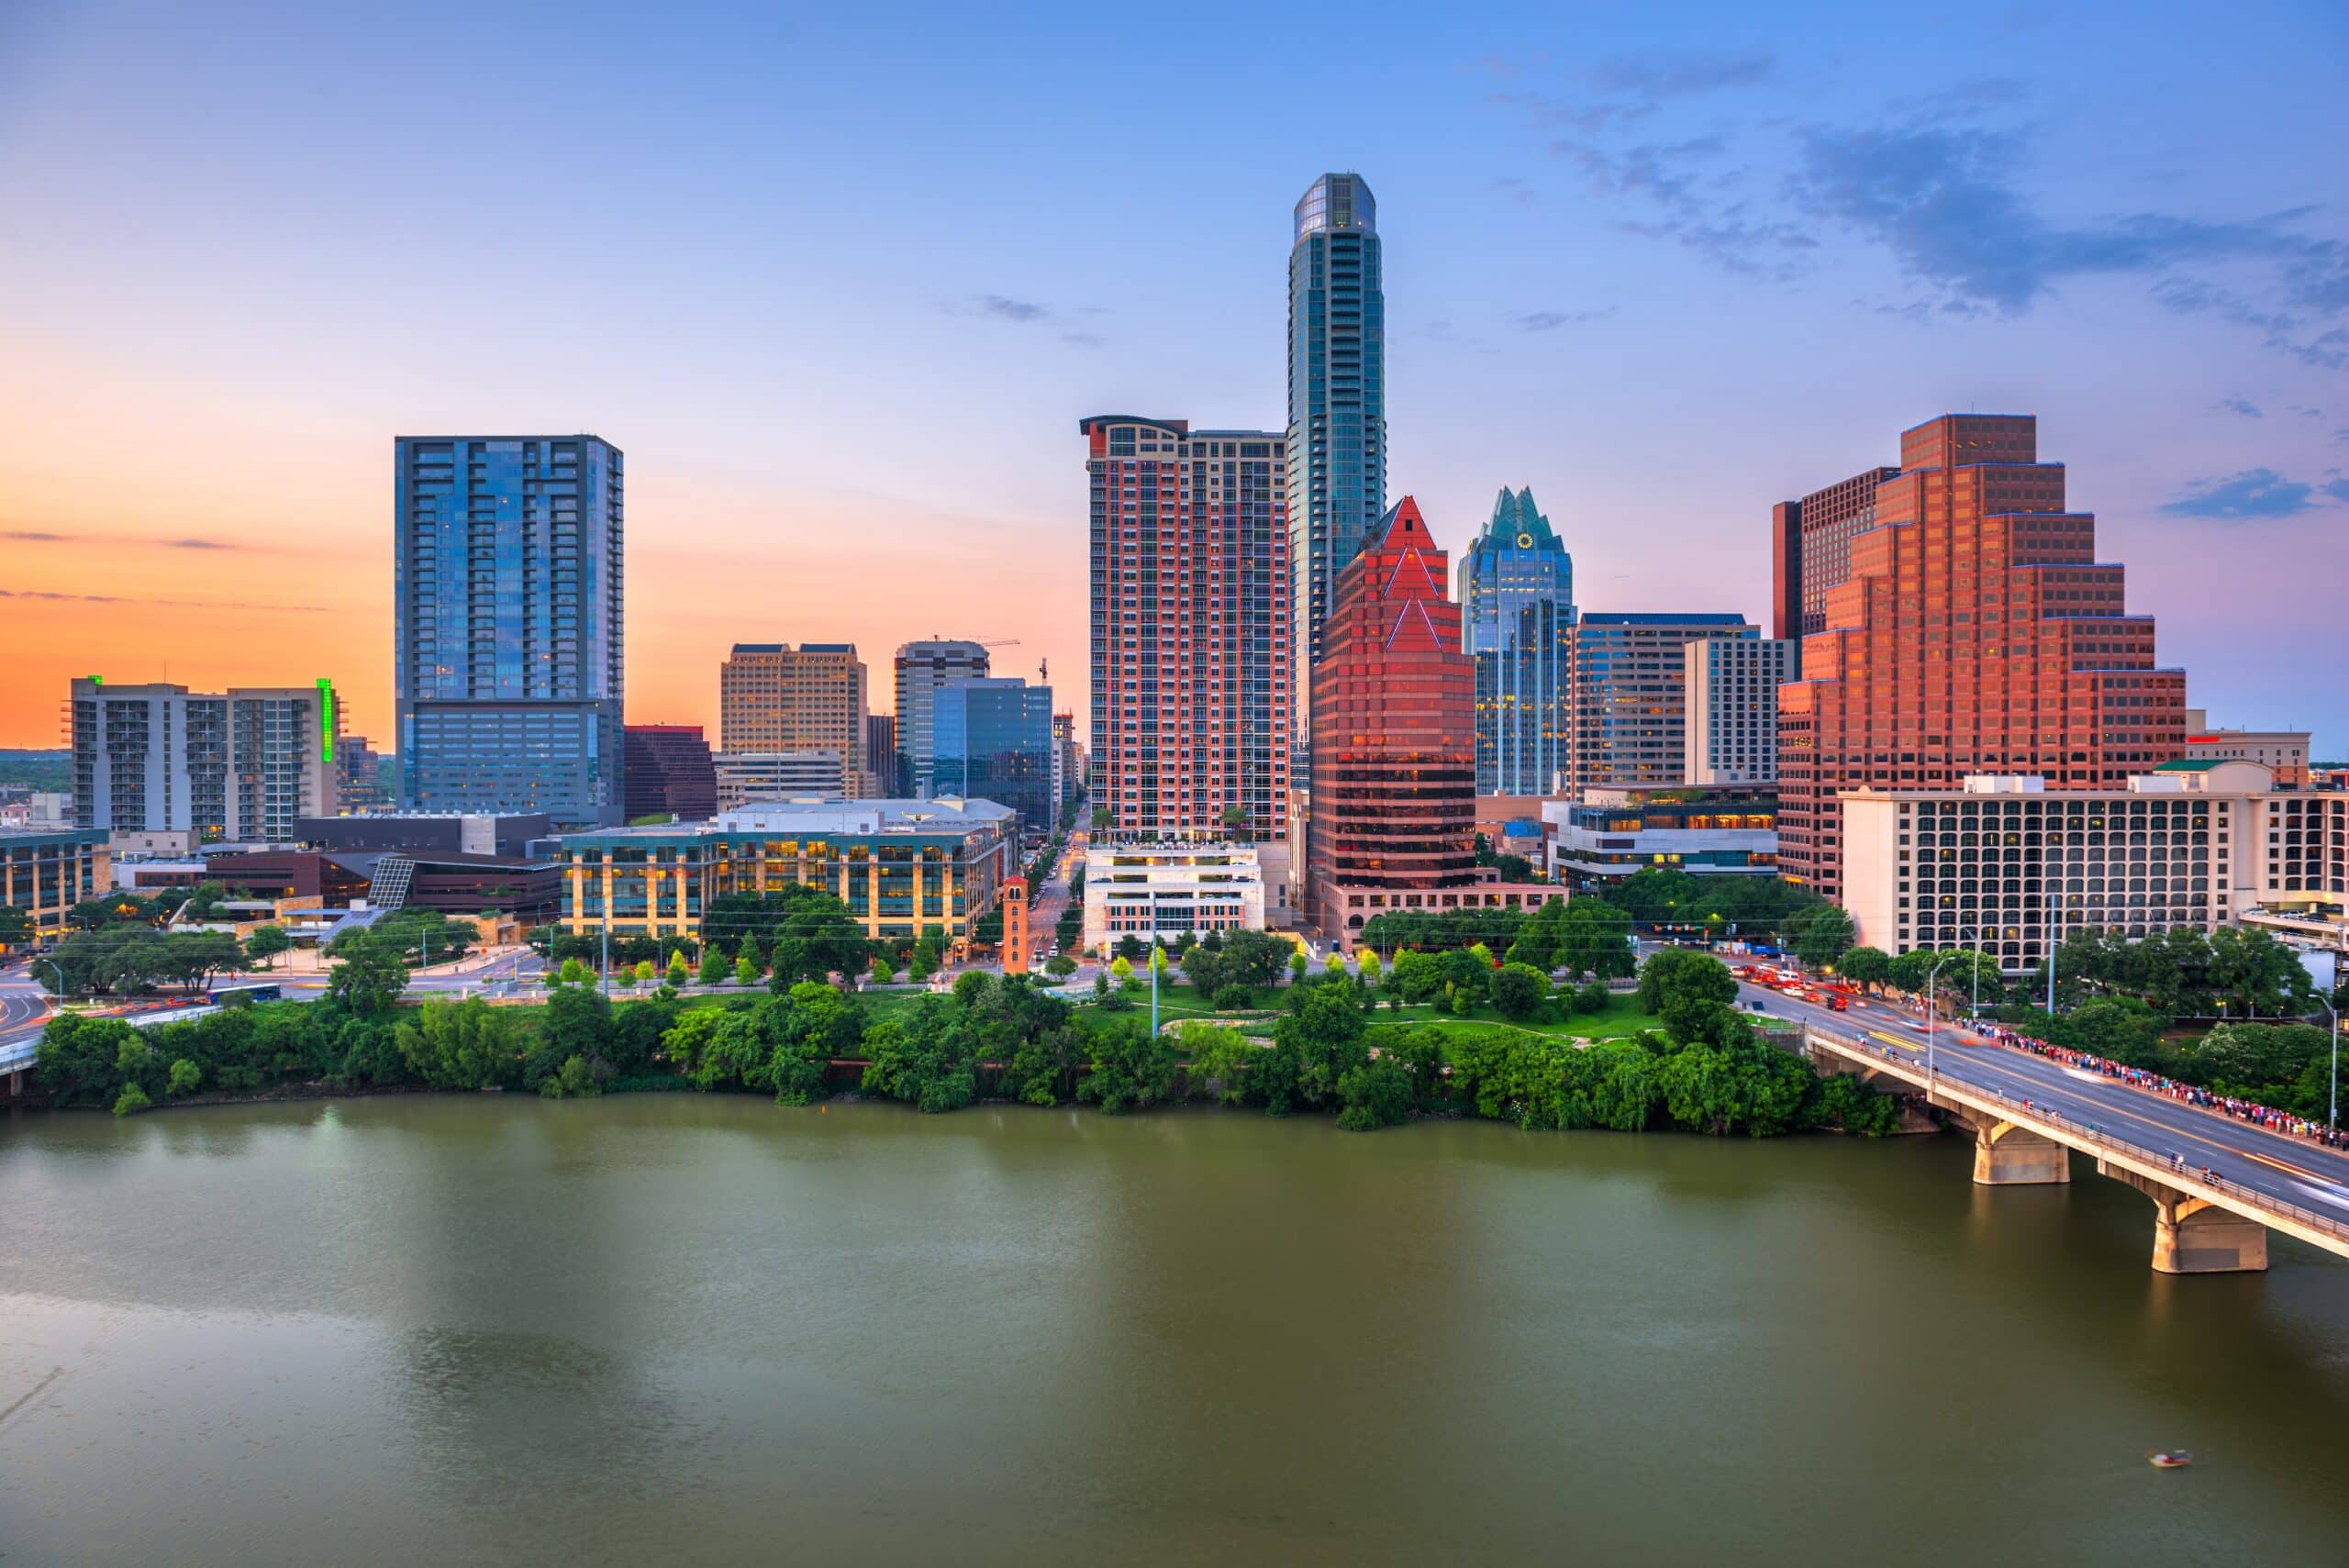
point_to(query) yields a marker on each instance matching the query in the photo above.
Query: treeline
(991, 1038)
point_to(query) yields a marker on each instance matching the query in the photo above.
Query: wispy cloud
(2254, 496)
(43, 595)
(2242, 406)
(1022, 312)
(1551, 320)
(27, 536)
(37, 536)
(1656, 76)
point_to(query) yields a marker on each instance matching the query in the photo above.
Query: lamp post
(1972, 934)
(54, 969)
(2332, 1101)
(1930, 976)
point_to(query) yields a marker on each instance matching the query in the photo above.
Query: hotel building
(1731, 707)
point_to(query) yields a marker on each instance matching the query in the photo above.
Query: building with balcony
(1609, 834)
(240, 764)
(1152, 891)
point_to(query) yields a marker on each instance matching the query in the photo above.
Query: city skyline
(1560, 201)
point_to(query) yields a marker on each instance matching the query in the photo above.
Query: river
(684, 1329)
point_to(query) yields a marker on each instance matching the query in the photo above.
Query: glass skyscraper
(1517, 610)
(994, 740)
(1337, 403)
(508, 613)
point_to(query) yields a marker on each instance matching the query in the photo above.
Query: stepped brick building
(1973, 630)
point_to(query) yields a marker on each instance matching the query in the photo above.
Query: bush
(1232, 999)
(1375, 1094)
(132, 1100)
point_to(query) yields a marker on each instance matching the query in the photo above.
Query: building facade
(1811, 548)
(994, 740)
(773, 697)
(2284, 752)
(881, 756)
(1152, 891)
(925, 669)
(360, 781)
(1731, 714)
(1516, 613)
(46, 871)
(900, 866)
(1977, 633)
(1611, 833)
(1630, 696)
(1190, 634)
(743, 777)
(241, 764)
(669, 771)
(508, 625)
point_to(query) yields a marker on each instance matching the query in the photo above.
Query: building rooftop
(820, 816)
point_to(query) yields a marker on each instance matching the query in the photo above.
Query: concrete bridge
(2205, 1221)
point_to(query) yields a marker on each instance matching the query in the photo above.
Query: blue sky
(842, 281)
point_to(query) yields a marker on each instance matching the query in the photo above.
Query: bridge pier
(2005, 1155)
(2191, 1237)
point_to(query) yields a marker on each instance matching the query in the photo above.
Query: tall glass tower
(1516, 613)
(508, 625)
(1337, 403)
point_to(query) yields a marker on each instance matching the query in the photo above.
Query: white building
(1733, 701)
(1163, 889)
(747, 776)
(2006, 864)
(236, 765)
(1614, 832)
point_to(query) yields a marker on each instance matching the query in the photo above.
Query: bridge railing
(2089, 1132)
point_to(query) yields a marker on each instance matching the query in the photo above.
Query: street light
(1932, 975)
(1973, 935)
(2332, 1104)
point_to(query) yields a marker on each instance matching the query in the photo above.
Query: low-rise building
(1162, 889)
(2284, 752)
(1610, 833)
(46, 871)
(900, 866)
(744, 778)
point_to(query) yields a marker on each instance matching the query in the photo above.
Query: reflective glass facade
(995, 742)
(1517, 610)
(507, 611)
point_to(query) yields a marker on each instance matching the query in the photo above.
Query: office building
(900, 866)
(1731, 708)
(744, 778)
(994, 742)
(1517, 614)
(1158, 891)
(1607, 834)
(881, 758)
(1068, 775)
(360, 781)
(1811, 548)
(512, 837)
(1977, 632)
(47, 870)
(924, 668)
(1630, 696)
(773, 697)
(1190, 643)
(233, 765)
(2283, 752)
(508, 625)
(669, 772)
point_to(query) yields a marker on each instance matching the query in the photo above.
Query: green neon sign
(326, 720)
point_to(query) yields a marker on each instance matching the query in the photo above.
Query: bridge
(2211, 1215)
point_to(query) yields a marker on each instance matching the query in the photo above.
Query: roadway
(2289, 1170)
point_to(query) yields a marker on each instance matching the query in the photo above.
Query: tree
(459, 1045)
(714, 967)
(1367, 958)
(1060, 966)
(1235, 822)
(1298, 965)
(1518, 990)
(1870, 967)
(577, 1023)
(185, 1077)
(132, 1101)
(1131, 1069)
(1102, 817)
(678, 973)
(971, 986)
(746, 973)
(642, 973)
(572, 972)
(1121, 969)
(1825, 937)
(1679, 985)
(884, 971)
(16, 927)
(1373, 1094)
(368, 976)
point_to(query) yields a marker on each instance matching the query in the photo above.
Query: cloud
(1655, 75)
(181, 604)
(199, 544)
(30, 536)
(2280, 330)
(1011, 309)
(26, 536)
(1510, 186)
(2254, 496)
(2244, 406)
(1551, 320)
(1022, 312)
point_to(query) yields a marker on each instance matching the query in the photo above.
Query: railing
(2090, 1134)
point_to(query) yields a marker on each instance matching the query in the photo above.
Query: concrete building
(746, 776)
(1732, 718)
(1977, 632)
(1190, 639)
(773, 697)
(1630, 696)
(508, 621)
(1517, 616)
(2007, 864)
(1811, 548)
(669, 771)
(1068, 771)
(46, 871)
(881, 755)
(240, 764)
(510, 836)
(362, 783)
(901, 866)
(2284, 752)
(1160, 890)
(923, 670)
(994, 742)
(1610, 833)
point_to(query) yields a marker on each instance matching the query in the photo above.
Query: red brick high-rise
(1394, 728)
(1974, 633)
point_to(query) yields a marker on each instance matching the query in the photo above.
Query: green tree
(1122, 970)
(1060, 966)
(16, 927)
(368, 975)
(678, 973)
(642, 973)
(1825, 937)
(884, 971)
(1518, 991)
(745, 971)
(132, 1101)
(265, 943)
(1374, 1094)
(714, 967)
(1368, 959)
(1870, 967)
(185, 1077)
(577, 1022)
(1297, 967)
(1133, 1069)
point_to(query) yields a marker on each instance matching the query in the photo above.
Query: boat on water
(2169, 1458)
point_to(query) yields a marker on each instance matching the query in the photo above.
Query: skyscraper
(773, 697)
(669, 772)
(1630, 696)
(507, 609)
(1810, 547)
(994, 740)
(1731, 707)
(1974, 633)
(240, 764)
(881, 754)
(924, 668)
(1191, 664)
(1393, 726)
(1516, 613)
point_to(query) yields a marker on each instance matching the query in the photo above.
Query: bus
(242, 995)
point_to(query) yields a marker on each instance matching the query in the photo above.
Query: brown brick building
(1975, 631)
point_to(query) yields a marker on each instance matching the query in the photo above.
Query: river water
(684, 1328)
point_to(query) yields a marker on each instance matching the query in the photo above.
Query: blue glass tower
(1517, 616)
(508, 625)
(1336, 403)
(994, 742)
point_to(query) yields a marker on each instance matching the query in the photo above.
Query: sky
(841, 281)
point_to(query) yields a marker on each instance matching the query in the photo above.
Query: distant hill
(46, 769)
